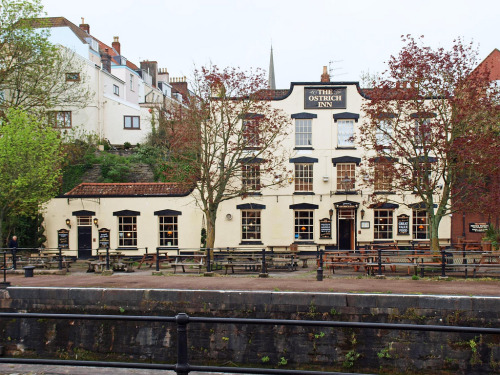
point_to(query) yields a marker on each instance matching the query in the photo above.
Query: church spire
(272, 81)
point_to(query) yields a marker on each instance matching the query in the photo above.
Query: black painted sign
(103, 238)
(63, 238)
(325, 228)
(403, 225)
(478, 227)
(324, 97)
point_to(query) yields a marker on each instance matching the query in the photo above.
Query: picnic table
(188, 260)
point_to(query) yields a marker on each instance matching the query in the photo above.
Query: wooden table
(183, 260)
(150, 258)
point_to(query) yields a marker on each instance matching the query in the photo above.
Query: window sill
(340, 192)
(303, 193)
(305, 242)
(383, 192)
(173, 247)
(131, 128)
(303, 148)
(251, 243)
(251, 193)
(127, 248)
(345, 148)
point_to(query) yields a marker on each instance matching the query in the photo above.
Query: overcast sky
(349, 36)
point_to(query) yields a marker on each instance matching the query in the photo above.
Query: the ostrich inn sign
(324, 97)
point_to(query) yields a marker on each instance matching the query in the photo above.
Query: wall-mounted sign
(325, 228)
(403, 225)
(365, 225)
(478, 227)
(103, 238)
(63, 238)
(346, 205)
(324, 97)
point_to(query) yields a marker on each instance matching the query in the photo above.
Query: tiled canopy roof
(128, 190)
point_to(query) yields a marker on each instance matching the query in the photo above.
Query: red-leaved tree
(428, 121)
(227, 141)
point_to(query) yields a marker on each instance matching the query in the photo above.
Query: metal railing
(182, 320)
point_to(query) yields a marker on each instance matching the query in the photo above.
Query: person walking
(13, 243)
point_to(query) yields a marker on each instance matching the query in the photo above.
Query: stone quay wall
(285, 347)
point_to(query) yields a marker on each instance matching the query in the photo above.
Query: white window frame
(420, 225)
(303, 132)
(383, 224)
(303, 219)
(116, 90)
(127, 231)
(304, 177)
(383, 133)
(346, 170)
(250, 176)
(168, 228)
(345, 133)
(251, 225)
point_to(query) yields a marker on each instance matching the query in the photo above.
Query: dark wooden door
(345, 234)
(84, 242)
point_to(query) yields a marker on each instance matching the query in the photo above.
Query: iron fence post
(443, 263)
(182, 366)
(464, 259)
(107, 258)
(264, 266)
(157, 259)
(60, 258)
(14, 256)
(379, 271)
(319, 272)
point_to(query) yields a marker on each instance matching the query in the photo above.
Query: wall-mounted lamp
(362, 212)
(330, 212)
(96, 222)
(68, 223)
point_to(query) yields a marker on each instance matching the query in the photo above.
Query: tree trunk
(434, 233)
(211, 216)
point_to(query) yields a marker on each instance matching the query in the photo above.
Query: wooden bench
(290, 264)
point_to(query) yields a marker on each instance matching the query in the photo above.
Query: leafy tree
(32, 69)
(227, 134)
(422, 112)
(30, 162)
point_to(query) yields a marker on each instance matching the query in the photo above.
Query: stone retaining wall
(376, 351)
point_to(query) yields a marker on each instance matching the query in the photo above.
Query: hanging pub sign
(478, 227)
(63, 238)
(325, 228)
(403, 225)
(324, 97)
(103, 238)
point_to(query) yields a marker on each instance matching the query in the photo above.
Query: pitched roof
(491, 64)
(101, 190)
(50, 22)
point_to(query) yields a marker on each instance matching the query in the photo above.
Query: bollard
(182, 366)
(28, 271)
(319, 272)
(263, 271)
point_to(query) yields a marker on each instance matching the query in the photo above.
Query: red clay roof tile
(128, 189)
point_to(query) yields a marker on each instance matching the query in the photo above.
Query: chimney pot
(85, 26)
(116, 45)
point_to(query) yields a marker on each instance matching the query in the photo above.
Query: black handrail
(182, 320)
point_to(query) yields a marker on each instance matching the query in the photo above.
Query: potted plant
(491, 238)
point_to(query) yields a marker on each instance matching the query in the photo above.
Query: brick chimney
(116, 45)
(106, 61)
(325, 77)
(85, 26)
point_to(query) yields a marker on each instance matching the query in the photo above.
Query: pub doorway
(84, 237)
(346, 229)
